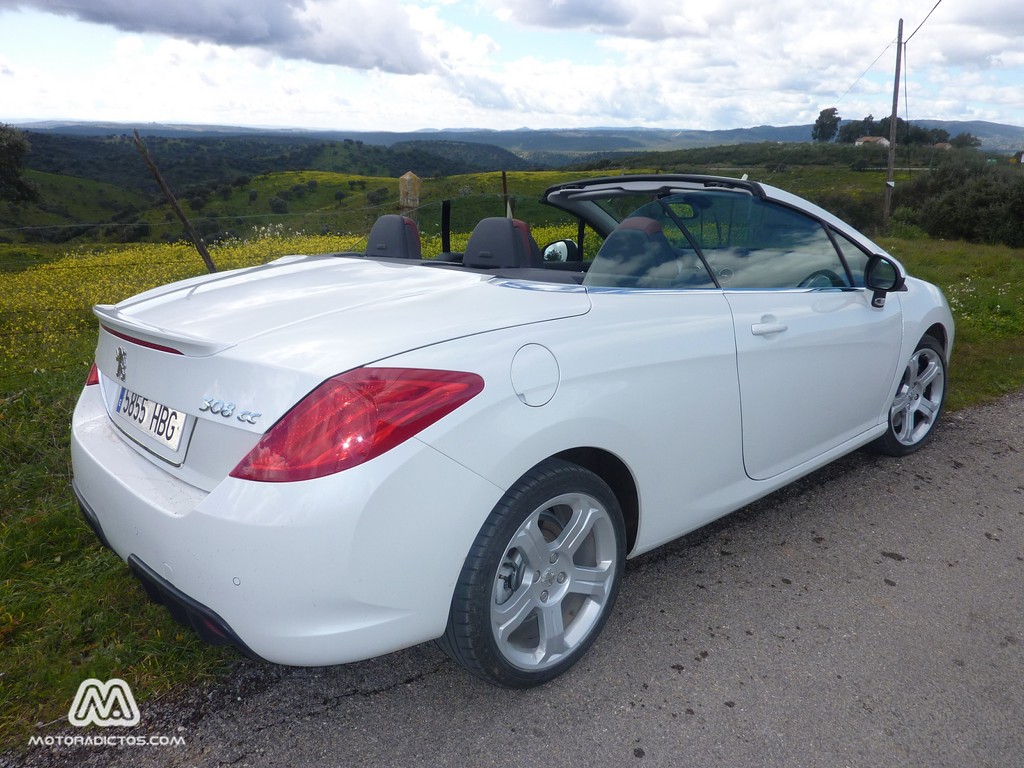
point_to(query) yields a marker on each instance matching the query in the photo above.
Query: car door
(815, 359)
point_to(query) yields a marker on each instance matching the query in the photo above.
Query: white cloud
(363, 34)
(561, 14)
(408, 64)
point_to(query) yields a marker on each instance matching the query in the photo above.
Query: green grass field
(69, 610)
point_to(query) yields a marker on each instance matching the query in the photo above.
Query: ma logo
(109, 703)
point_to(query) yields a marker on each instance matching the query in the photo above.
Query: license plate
(160, 422)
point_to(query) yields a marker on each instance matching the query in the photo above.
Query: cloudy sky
(412, 64)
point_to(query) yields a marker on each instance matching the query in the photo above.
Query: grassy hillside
(322, 202)
(96, 188)
(231, 184)
(315, 202)
(212, 160)
(68, 207)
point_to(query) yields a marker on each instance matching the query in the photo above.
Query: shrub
(377, 196)
(965, 198)
(864, 213)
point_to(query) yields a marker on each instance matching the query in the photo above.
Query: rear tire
(541, 578)
(918, 403)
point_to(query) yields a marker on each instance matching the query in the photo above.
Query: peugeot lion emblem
(121, 356)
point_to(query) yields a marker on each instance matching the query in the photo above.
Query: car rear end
(199, 451)
(295, 571)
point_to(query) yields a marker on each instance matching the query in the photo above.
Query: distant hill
(544, 147)
(202, 157)
(995, 137)
(474, 156)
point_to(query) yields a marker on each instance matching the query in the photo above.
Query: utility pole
(889, 182)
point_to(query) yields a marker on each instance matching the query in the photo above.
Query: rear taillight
(353, 418)
(93, 377)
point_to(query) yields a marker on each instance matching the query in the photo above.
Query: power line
(862, 74)
(885, 50)
(906, 67)
(906, 98)
(922, 23)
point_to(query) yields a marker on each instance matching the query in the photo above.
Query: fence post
(197, 241)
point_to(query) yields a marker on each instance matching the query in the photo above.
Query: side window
(648, 250)
(856, 258)
(746, 243)
(772, 246)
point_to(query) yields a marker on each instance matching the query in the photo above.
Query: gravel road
(870, 615)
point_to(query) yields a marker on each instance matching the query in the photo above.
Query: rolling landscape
(868, 613)
(92, 186)
(90, 226)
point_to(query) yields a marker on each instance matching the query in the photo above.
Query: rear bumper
(210, 627)
(325, 571)
(90, 517)
(207, 624)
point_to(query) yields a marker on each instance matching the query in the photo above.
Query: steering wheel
(817, 277)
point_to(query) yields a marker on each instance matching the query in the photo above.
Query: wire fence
(468, 209)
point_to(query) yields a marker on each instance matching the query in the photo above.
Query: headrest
(500, 243)
(396, 236)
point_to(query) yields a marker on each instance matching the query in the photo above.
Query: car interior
(672, 241)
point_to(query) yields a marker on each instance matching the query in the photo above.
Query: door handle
(768, 327)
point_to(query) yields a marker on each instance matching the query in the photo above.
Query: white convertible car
(327, 458)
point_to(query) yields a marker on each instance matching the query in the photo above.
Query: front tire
(918, 403)
(541, 578)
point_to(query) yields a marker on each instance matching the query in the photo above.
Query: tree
(13, 148)
(827, 125)
(855, 129)
(965, 141)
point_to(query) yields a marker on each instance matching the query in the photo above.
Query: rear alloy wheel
(541, 578)
(918, 403)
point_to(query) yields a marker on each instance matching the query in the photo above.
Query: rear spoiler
(117, 323)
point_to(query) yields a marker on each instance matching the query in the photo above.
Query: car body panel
(686, 375)
(815, 369)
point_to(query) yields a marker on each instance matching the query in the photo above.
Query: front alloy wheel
(541, 578)
(918, 403)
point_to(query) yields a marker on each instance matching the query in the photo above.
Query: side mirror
(561, 251)
(883, 275)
